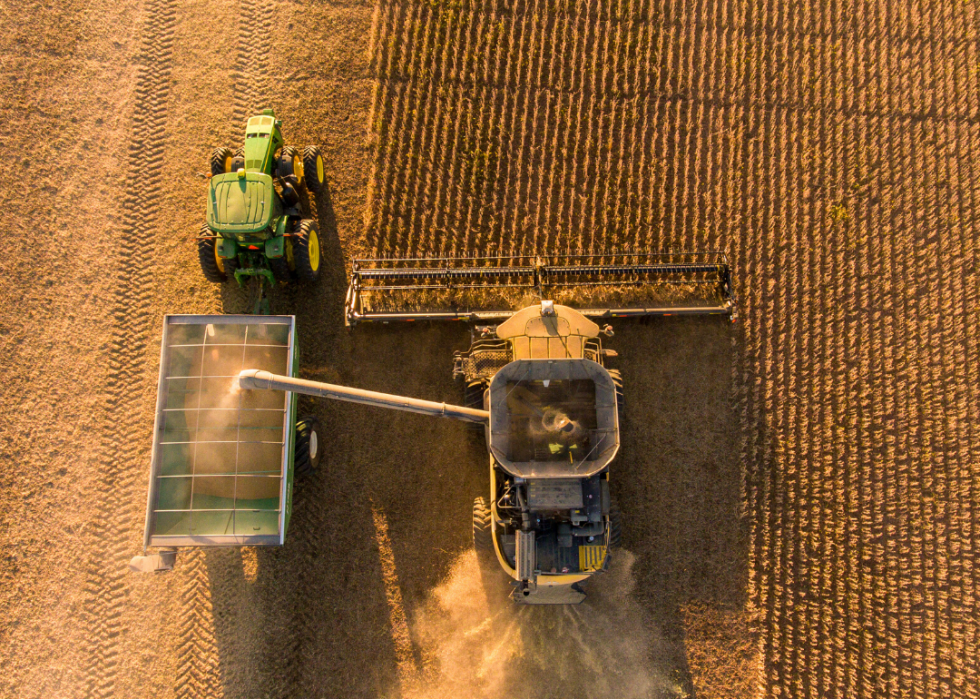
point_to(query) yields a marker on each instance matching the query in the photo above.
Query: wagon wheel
(212, 265)
(307, 454)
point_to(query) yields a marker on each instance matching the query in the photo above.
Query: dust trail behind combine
(475, 642)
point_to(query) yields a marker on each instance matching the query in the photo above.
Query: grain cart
(223, 460)
(255, 227)
(537, 386)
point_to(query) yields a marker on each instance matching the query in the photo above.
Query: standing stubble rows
(829, 148)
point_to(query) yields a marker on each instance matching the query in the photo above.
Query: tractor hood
(241, 203)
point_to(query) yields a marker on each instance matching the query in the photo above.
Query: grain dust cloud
(475, 642)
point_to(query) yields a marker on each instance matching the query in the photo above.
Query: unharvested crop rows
(831, 149)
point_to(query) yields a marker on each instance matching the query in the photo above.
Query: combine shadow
(315, 617)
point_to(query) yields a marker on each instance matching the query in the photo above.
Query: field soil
(799, 488)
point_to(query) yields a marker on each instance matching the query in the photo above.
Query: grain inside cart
(223, 460)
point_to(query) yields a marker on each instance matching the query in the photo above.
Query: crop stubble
(830, 149)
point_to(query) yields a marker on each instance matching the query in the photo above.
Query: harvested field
(799, 489)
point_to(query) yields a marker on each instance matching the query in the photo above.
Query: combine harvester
(536, 383)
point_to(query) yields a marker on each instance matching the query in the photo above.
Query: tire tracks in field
(132, 300)
(197, 656)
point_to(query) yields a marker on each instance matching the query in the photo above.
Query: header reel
(606, 285)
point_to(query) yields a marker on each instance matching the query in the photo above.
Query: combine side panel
(492, 288)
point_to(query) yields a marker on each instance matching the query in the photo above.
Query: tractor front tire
(307, 454)
(221, 161)
(306, 250)
(212, 266)
(313, 170)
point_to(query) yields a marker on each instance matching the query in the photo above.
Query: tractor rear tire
(221, 161)
(482, 534)
(291, 164)
(306, 251)
(313, 170)
(308, 452)
(212, 266)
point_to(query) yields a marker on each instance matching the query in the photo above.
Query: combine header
(609, 285)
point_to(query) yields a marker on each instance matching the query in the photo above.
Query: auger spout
(257, 379)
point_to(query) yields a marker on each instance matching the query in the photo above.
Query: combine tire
(482, 536)
(238, 161)
(221, 161)
(212, 266)
(308, 451)
(615, 524)
(313, 169)
(473, 398)
(306, 251)
(291, 164)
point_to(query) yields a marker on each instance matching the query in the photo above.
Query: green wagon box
(223, 459)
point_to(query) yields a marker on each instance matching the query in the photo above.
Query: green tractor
(255, 226)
